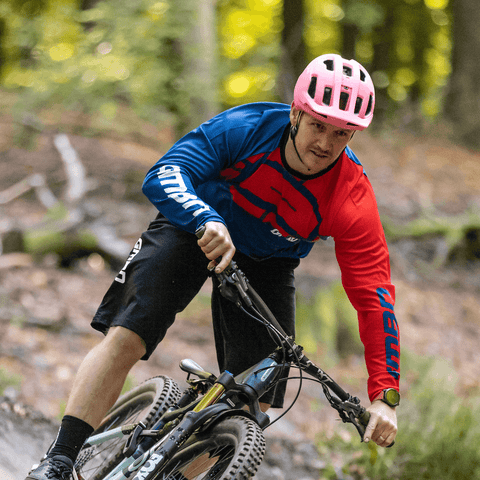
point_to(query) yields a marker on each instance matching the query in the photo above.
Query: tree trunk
(382, 55)
(462, 105)
(293, 48)
(350, 33)
(2, 51)
(87, 4)
(201, 71)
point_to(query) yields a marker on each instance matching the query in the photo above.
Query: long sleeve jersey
(232, 169)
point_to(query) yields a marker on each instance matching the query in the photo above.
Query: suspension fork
(223, 382)
(203, 411)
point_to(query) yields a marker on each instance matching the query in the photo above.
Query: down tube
(261, 375)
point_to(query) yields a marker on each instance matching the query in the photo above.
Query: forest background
(127, 68)
(180, 62)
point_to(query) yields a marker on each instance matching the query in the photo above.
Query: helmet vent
(327, 96)
(347, 71)
(362, 76)
(329, 64)
(343, 100)
(312, 87)
(358, 105)
(369, 106)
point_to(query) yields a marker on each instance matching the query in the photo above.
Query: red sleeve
(363, 258)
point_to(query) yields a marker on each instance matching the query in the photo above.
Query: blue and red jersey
(232, 169)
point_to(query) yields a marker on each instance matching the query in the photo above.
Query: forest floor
(45, 310)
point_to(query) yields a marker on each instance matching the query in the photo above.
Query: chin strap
(293, 134)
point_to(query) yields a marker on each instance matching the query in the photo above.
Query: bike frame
(256, 379)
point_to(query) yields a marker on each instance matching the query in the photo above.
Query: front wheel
(232, 449)
(144, 403)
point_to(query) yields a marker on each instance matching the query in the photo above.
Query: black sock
(71, 436)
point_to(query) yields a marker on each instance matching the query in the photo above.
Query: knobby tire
(236, 443)
(144, 403)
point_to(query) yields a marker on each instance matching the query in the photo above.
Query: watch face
(392, 397)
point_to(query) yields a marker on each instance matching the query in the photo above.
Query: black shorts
(165, 271)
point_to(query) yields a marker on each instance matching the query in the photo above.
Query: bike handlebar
(348, 407)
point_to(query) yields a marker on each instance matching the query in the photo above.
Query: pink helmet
(336, 91)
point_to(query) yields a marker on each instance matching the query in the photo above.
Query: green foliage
(41, 242)
(328, 324)
(454, 230)
(438, 431)
(249, 34)
(136, 53)
(92, 60)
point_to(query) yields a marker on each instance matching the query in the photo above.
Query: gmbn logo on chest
(390, 327)
(122, 275)
(276, 232)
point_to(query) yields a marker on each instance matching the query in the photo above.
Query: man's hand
(382, 427)
(215, 243)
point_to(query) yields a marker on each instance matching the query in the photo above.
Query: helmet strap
(294, 128)
(293, 134)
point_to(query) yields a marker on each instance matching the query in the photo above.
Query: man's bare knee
(124, 343)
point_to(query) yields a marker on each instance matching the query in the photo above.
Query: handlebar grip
(364, 418)
(200, 231)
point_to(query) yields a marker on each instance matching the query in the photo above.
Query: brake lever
(350, 411)
(232, 277)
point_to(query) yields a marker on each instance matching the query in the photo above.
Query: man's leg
(164, 272)
(102, 374)
(97, 386)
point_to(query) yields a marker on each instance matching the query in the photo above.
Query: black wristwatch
(391, 397)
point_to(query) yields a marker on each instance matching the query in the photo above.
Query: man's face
(318, 143)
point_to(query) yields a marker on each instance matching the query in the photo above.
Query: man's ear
(294, 114)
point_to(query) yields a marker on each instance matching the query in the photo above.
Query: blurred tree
(21, 48)
(413, 40)
(86, 5)
(350, 28)
(293, 51)
(249, 41)
(404, 44)
(96, 57)
(160, 56)
(462, 105)
(202, 63)
(367, 36)
(3, 27)
(383, 58)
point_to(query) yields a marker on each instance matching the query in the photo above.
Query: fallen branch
(74, 169)
(69, 229)
(36, 182)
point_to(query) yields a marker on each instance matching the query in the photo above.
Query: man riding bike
(267, 181)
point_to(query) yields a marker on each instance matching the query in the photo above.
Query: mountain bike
(214, 429)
